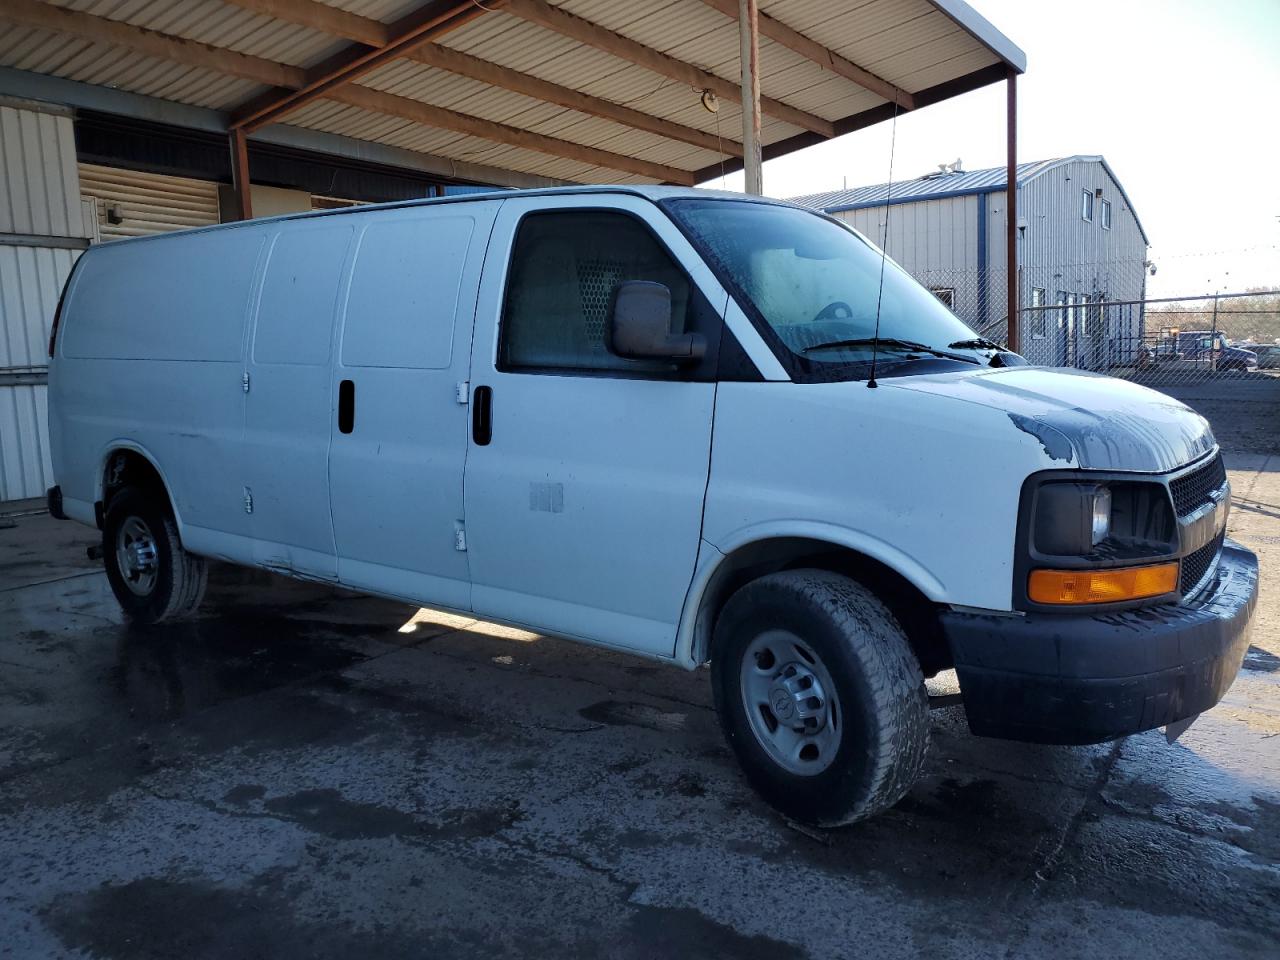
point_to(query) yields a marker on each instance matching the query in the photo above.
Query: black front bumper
(1070, 678)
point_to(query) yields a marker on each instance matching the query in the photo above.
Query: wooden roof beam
(39, 15)
(432, 20)
(429, 115)
(810, 49)
(592, 34)
(151, 43)
(326, 19)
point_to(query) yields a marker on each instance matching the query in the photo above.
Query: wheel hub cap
(790, 702)
(797, 698)
(136, 556)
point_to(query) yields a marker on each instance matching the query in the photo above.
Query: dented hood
(1082, 419)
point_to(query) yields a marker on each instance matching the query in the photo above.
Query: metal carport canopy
(586, 91)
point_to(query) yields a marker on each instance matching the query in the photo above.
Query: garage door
(133, 204)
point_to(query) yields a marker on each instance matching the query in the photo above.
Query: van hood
(1081, 419)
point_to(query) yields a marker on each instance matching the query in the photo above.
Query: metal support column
(749, 39)
(1011, 211)
(240, 173)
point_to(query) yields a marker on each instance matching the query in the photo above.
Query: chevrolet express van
(698, 427)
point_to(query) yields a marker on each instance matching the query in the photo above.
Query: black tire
(179, 579)
(882, 740)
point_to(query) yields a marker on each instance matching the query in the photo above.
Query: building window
(1086, 205)
(1062, 308)
(1106, 214)
(1039, 318)
(946, 294)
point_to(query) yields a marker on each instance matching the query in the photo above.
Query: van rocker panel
(1080, 678)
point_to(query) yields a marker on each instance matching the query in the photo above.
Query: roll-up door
(133, 204)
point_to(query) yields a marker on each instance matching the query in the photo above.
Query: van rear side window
(404, 293)
(300, 295)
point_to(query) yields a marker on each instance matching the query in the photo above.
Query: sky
(1182, 97)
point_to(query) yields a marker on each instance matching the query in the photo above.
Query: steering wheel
(832, 311)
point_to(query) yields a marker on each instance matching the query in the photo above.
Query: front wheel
(820, 696)
(153, 578)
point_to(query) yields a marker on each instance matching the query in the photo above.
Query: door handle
(482, 416)
(346, 406)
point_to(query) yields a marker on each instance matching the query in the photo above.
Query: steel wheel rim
(790, 702)
(136, 556)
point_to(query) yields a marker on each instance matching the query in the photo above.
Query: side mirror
(639, 325)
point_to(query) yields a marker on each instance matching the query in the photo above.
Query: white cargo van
(694, 426)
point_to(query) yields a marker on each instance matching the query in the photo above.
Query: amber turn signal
(1101, 586)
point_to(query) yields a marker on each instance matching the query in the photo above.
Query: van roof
(653, 193)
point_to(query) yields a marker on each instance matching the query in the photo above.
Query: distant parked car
(1206, 345)
(1154, 353)
(1268, 356)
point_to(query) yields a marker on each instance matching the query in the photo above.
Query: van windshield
(815, 284)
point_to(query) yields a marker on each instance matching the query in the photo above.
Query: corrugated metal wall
(133, 204)
(42, 230)
(936, 241)
(1061, 251)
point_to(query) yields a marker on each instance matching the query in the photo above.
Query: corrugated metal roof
(935, 186)
(931, 185)
(915, 44)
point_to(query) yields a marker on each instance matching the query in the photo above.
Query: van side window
(564, 268)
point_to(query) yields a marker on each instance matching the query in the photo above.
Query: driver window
(564, 268)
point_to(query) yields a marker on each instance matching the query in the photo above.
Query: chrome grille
(1196, 565)
(1193, 490)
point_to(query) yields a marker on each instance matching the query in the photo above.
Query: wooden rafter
(592, 34)
(39, 15)
(339, 23)
(367, 98)
(810, 49)
(432, 20)
(152, 43)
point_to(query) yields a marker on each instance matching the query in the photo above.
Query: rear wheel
(153, 578)
(820, 696)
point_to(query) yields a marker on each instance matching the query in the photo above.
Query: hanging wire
(643, 96)
(884, 247)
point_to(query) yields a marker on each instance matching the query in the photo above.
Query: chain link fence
(1162, 341)
(1165, 340)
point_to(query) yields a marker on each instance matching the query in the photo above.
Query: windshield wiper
(910, 345)
(975, 343)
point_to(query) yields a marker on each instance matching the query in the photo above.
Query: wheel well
(128, 468)
(917, 614)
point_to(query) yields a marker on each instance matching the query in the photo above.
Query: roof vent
(945, 170)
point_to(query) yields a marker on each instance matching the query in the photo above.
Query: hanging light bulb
(710, 101)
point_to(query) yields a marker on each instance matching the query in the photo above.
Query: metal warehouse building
(120, 118)
(1080, 244)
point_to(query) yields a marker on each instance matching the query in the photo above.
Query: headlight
(1090, 519)
(1071, 518)
(1095, 540)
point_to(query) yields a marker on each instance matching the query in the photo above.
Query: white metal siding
(147, 203)
(936, 241)
(1062, 251)
(40, 203)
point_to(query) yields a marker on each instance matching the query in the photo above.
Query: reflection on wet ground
(301, 771)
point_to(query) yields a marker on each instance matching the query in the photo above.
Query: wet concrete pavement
(302, 772)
